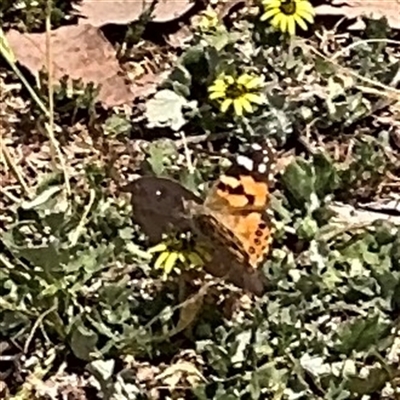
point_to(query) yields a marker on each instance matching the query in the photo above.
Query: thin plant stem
(55, 149)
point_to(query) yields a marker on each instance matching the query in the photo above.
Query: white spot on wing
(262, 168)
(256, 146)
(245, 162)
(266, 159)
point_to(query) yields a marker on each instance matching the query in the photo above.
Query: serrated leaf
(219, 39)
(308, 228)
(361, 334)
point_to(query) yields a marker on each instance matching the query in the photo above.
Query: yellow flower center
(288, 7)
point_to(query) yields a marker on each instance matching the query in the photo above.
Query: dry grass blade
(8, 160)
(50, 126)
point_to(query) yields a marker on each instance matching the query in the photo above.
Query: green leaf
(241, 345)
(117, 125)
(161, 155)
(298, 181)
(361, 334)
(370, 385)
(254, 387)
(83, 342)
(326, 178)
(308, 228)
(46, 256)
(219, 39)
(180, 80)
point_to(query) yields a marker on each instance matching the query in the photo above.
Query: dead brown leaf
(189, 312)
(102, 12)
(224, 8)
(79, 51)
(179, 38)
(147, 84)
(61, 385)
(354, 9)
(179, 373)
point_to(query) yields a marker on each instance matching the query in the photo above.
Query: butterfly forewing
(236, 206)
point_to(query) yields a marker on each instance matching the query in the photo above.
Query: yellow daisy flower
(239, 93)
(177, 254)
(285, 14)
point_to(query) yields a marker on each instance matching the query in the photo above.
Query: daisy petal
(244, 79)
(238, 106)
(225, 105)
(276, 20)
(307, 17)
(255, 98)
(291, 25)
(255, 82)
(270, 13)
(284, 23)
(272, 3)
(216, 95)
(300, 22)
(305, 6)
(229, 80)
(217, 87)
(246, 105)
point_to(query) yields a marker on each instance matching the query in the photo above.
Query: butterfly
(234, 218)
